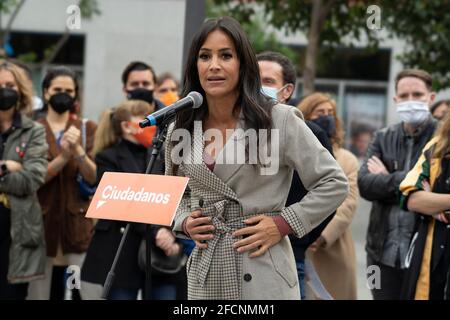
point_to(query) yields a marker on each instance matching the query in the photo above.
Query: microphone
(193, 99)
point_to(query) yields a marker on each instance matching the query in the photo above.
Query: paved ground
(359, 229)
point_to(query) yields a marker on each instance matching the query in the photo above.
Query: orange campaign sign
(144, 198)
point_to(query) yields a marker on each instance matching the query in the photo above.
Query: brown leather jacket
(62, 205)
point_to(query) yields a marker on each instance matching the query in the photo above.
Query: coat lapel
(198, 170)
(227, 158)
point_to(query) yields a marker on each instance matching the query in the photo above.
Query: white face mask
(272, 92)
(413, 112)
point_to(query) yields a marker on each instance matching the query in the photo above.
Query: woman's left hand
(13, 166)
(261, 235)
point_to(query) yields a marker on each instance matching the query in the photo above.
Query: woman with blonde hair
(121, 146)
(426, 191)
(333, 253)
(23, 167)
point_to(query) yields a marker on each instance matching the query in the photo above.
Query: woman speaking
(233, 210)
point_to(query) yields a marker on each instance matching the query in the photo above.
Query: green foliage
(423, 25)
(255, 26)
(425, 28)
(49, 51)
(89, 8)
(7, 5)
(27, 57)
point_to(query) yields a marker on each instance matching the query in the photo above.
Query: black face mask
(8, 98)
(141, 94)
(327, 124)
(61, 102)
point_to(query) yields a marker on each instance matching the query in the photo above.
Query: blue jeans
(123, 294)
(159, 292)
(301, 278)
(164, 292)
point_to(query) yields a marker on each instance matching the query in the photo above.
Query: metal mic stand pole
(158, 142)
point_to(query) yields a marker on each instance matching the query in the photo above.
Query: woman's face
(131, 127)
(218, 65)
(323, 109)
(7, 80)
(61, 84)
(440, 111)
(134, 124)
(167, 86)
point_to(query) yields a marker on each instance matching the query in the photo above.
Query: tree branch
(323, 15)
(320, 12)
(58, 46)
(13, 16)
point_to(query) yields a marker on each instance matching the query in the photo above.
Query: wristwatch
(447, 214)
(3, 169)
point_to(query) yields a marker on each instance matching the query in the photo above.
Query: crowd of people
(238, 233)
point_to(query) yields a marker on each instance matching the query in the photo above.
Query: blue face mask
(327, 124)
(270, 92)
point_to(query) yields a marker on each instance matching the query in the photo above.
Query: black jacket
(298, 191)
(389, 145)
(108, 233)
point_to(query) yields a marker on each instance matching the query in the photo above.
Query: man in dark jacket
(278, 80)
(390, 156)
(139, 80)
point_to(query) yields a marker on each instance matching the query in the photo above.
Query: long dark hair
(256, 107)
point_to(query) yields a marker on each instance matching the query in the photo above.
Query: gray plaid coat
(236, 191)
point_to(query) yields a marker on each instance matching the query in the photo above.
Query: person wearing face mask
(167, 88)
(235, 209)
(22, 171)
(278, 79)
(138, 80)
(121, 146)
(64, 206)
(333, 253)
(391, 154)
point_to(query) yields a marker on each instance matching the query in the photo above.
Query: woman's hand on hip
(261, 235)
(199, 228)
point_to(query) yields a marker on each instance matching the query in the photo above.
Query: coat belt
(224, 229)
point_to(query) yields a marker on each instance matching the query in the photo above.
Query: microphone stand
(157, 144)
